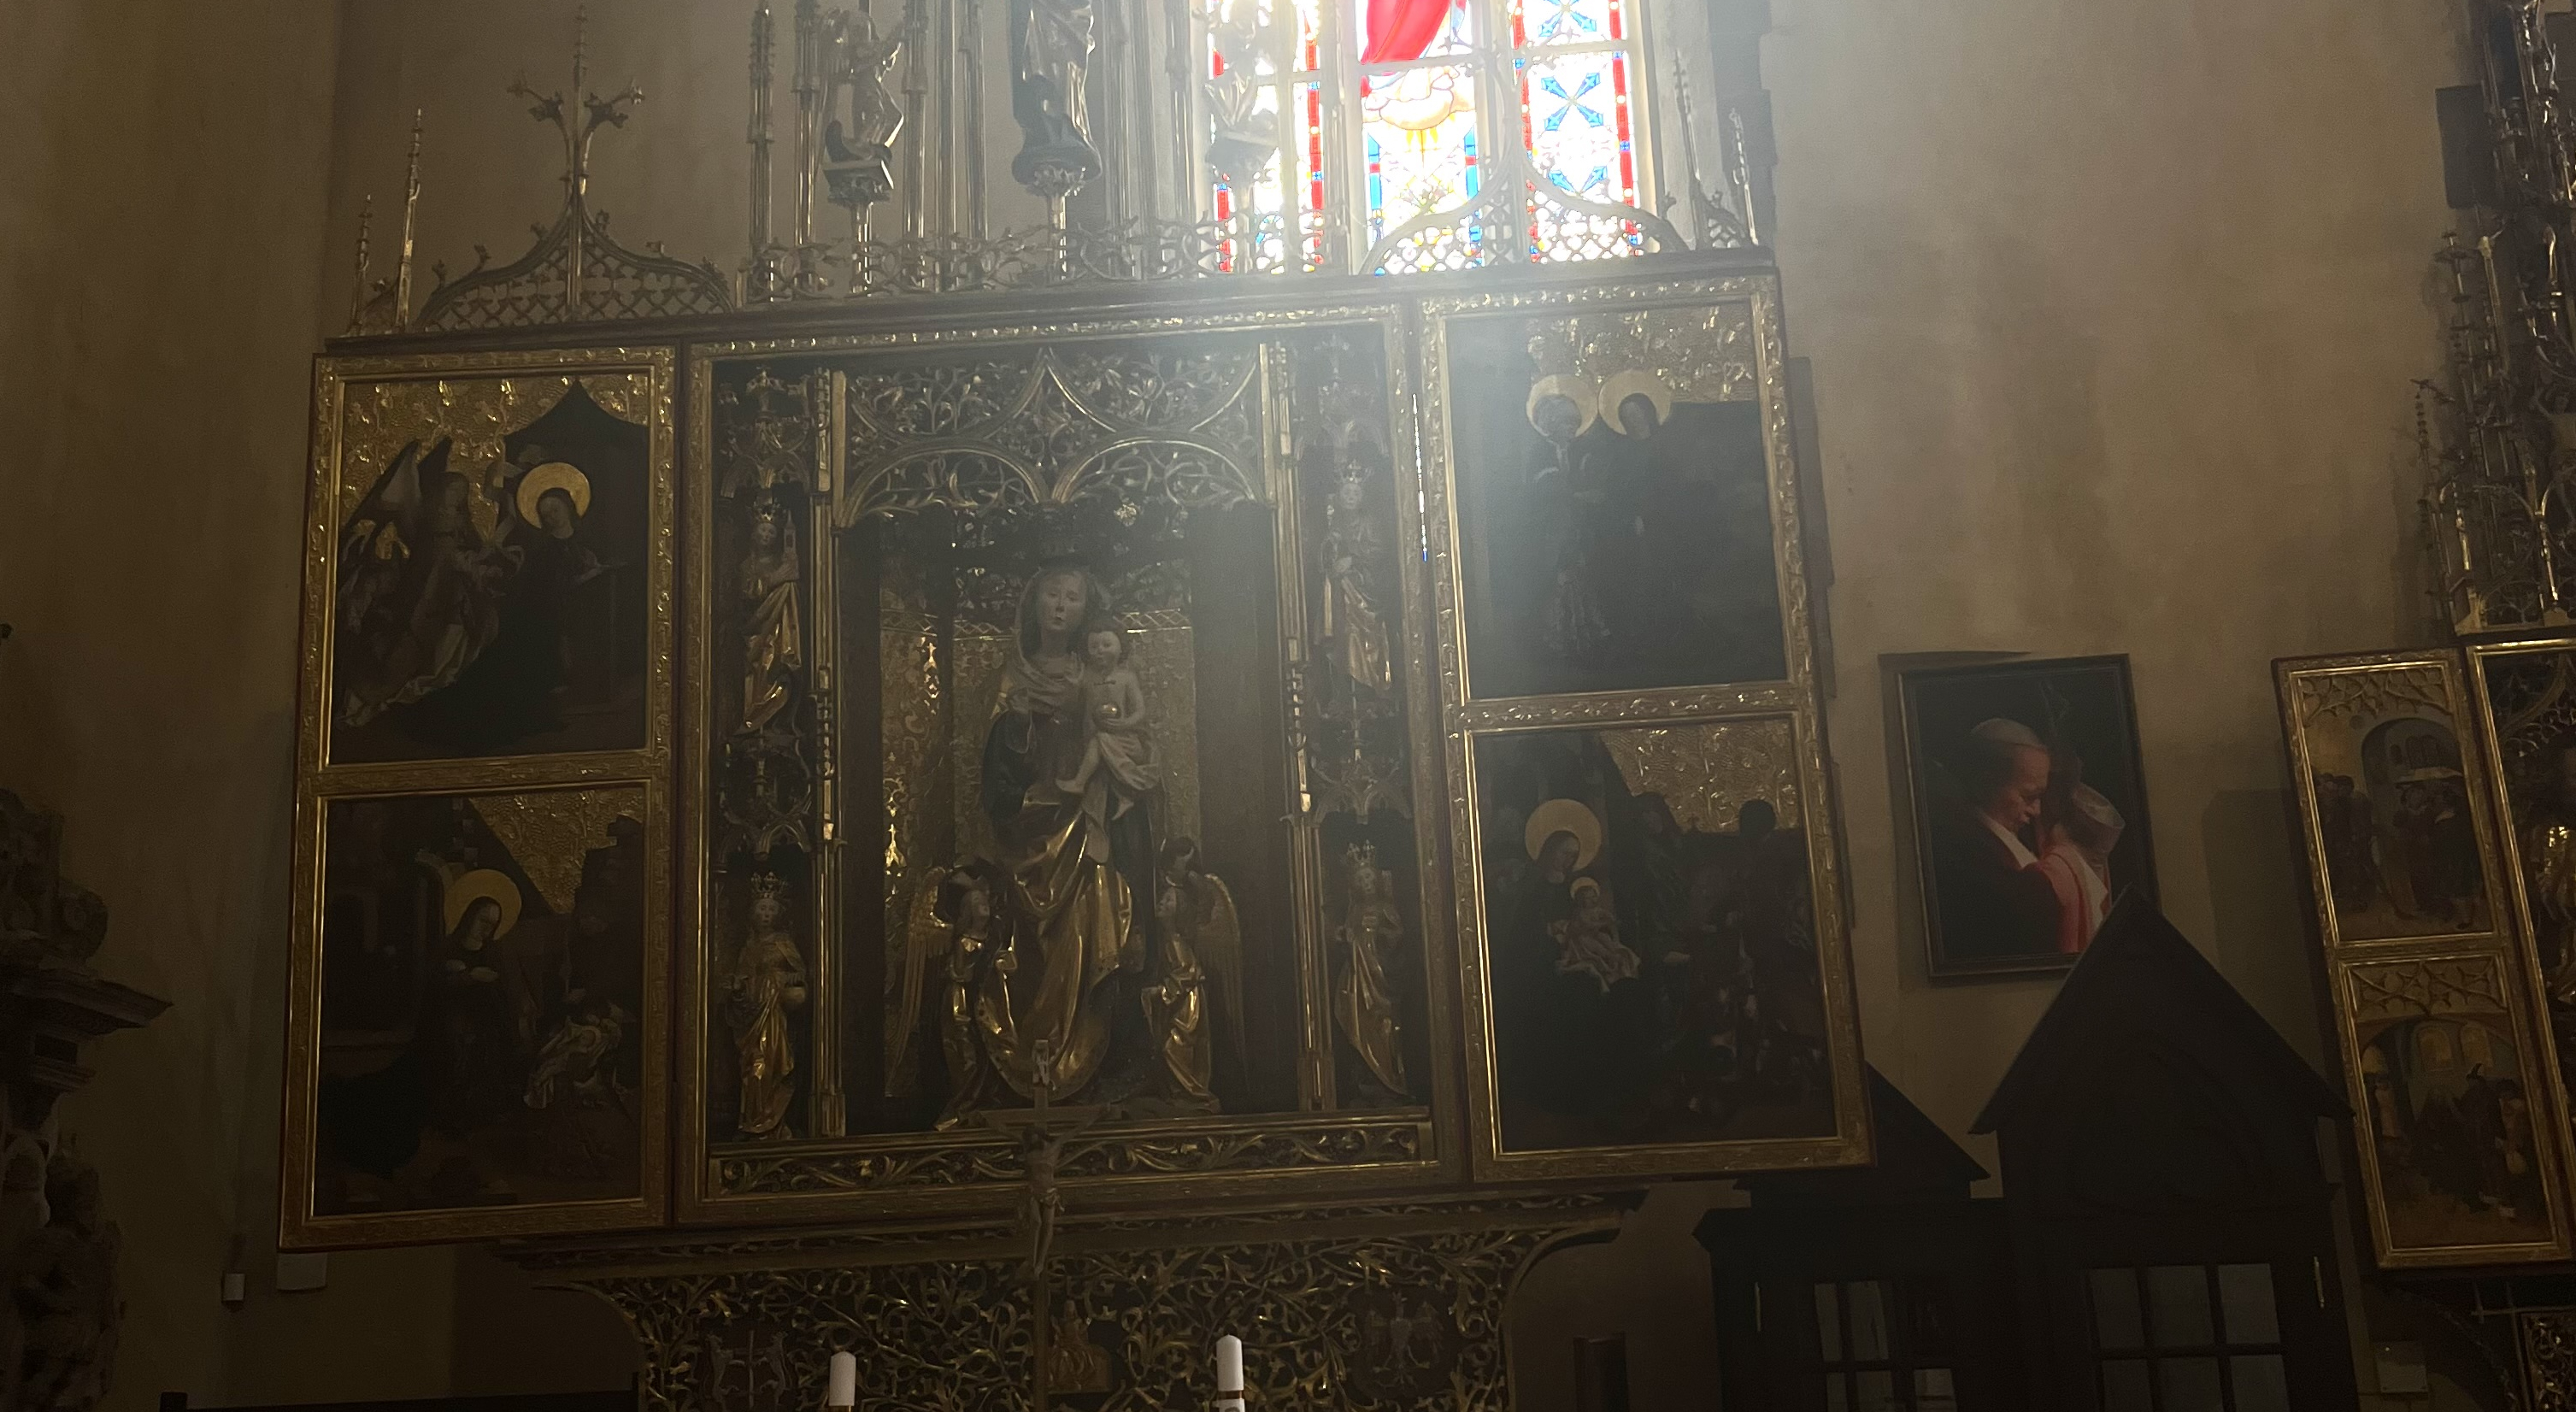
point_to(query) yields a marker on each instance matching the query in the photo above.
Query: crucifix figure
(1041, 1131)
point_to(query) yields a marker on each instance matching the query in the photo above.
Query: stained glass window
(1325, 161)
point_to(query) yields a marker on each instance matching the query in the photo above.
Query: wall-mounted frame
(477, 1004)
(2030, 809)
(1655, 970)
(906, 794)
(2448, 1072)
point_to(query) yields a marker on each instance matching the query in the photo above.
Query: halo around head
(1570, 816)
(1587, 409)
(553, 475)
(477, 885)
(1636, 383)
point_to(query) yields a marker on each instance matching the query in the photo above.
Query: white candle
(845, 1380)
(1229, 1373)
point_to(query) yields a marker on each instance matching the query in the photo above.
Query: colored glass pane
(1575, 113)
(1418, 143)
(1551, 22)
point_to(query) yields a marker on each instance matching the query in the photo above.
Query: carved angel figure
(858, 161)
(773, 648)
(954, 936)
(1202, 947)
(1364, 999)
(768, 982)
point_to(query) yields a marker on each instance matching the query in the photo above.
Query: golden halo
(1638, 383)
(473, 887)
(1558, 816)
(553, 475)
(1585, 887)
(1572, 389)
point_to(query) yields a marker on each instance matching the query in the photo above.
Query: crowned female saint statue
(1081, 875)
(768, 982)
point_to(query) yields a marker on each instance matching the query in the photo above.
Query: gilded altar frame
(1721, 332)
(486, 396)
(2420, 971)
(1318, 1149)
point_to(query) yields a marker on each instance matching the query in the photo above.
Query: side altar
(1019, 826)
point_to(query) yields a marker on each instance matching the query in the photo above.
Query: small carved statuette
(768, 984)
(1364, 999)
(1353, 621)
(858, 158)
(1051, 43)
(773, 650)
(1073, 1362)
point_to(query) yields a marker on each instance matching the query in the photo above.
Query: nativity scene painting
(1650, 938)
(493, 591)
(488, 1002)
(1614, 520)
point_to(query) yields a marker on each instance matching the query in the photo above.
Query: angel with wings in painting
(421, 585)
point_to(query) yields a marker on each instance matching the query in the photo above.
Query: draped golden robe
(1070, 914)
(769, 981)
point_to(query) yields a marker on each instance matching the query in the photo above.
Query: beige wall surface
(2111, 310)
(162, 194)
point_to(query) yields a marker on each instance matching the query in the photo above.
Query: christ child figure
(1118, 767)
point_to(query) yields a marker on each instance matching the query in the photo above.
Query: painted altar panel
(1655, 976)
(1055, 710)
(2448, 1056)
(501, 555)
(481, 921)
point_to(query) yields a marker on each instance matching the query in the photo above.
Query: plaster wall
(162, 196)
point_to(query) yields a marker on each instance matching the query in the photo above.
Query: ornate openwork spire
(576, 272)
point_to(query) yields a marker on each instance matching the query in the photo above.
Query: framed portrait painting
(2030, 809)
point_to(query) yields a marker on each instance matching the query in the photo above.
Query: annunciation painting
(1614, 511)
(501, 551)
(2396, 834)
(2030, 809)
(1650, 937)
(482, 1013)
(1109, 639)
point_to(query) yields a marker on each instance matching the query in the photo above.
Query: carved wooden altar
(1021, 830)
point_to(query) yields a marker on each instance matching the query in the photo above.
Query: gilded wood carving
(1115, 631)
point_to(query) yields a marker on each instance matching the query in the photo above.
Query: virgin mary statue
(1066, 980)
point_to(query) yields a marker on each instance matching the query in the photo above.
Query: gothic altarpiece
(1022, 830)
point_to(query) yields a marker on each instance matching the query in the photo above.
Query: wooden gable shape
(2151, 1085)
(1916, 1161)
